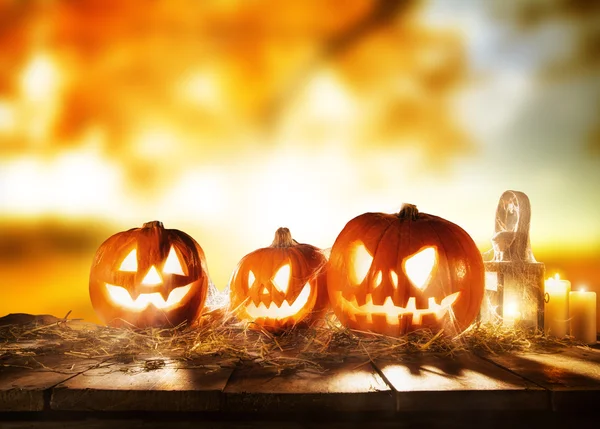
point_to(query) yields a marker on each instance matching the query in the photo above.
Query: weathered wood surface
(25, 381)
(563, 381)
(572, 376)
(138, 386)
(433, 383)
(348, 386)
(45, 376)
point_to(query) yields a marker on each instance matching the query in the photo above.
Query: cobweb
(217, 298)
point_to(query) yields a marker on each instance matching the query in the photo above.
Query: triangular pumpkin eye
(130, 262)
(419, 267)
(251, 279)
(282, 278)
(173, 264)
(361, 261)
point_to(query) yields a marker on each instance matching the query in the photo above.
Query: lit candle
(556, 309)
(582, 309)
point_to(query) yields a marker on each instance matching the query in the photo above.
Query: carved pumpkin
(395, 273)
(280, 286)
(149, 276)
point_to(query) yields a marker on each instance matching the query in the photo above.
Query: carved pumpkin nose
(152, 278)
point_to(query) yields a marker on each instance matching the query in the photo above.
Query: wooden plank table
(170, 386)
(348, 386)
(465, 383)
(571, 377)
(515, 389)
(561, 381)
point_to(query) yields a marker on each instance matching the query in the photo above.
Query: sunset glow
(229, 120)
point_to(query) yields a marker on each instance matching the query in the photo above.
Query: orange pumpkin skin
(164, 284)
(386, 300)
(261, 292)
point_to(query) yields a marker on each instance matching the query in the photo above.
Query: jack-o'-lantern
(149, 276)
(280, 286)
(396, 273)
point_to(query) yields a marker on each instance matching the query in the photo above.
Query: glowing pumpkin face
(149, 276)
(280, 286)
(393, 274)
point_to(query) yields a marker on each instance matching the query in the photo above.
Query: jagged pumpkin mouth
(286, 309)
(121, 296)
(393, 313)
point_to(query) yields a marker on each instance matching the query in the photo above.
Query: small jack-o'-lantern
(280, 286)
(149, 276)
(395, 273)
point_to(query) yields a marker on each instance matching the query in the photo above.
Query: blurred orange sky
(228, 119)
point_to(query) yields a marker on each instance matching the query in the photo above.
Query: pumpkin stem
(408, 211)
(283, 238)
(153, 224)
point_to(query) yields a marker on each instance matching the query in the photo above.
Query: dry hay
(218, 340)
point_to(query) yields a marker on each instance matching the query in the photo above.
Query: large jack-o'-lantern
(149, 276)
(280, 286)
(395, 273)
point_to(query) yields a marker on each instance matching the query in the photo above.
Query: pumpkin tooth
(142, 300)
(134, 294)
(392, 319)
(411, 305)
(388, 304)
(273, 311)
(394, 313)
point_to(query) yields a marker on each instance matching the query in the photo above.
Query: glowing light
(210, 183)
(172, 264)
(393, 313)
(39, 78)
(282, 278)
(201, 89)
(582, 288)
(152, 278)
(511, 311)
(155, 140)
(378, 279)
(328, 99)
(361, 263)
(357, 380)
(8, 119)
(280, 312)
(251, 279)
(61, 185)
(120, 296)
(419, 267)
(394, 278)
(130, 262)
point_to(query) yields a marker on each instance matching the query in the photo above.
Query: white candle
(582, 309)
(556, 308)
